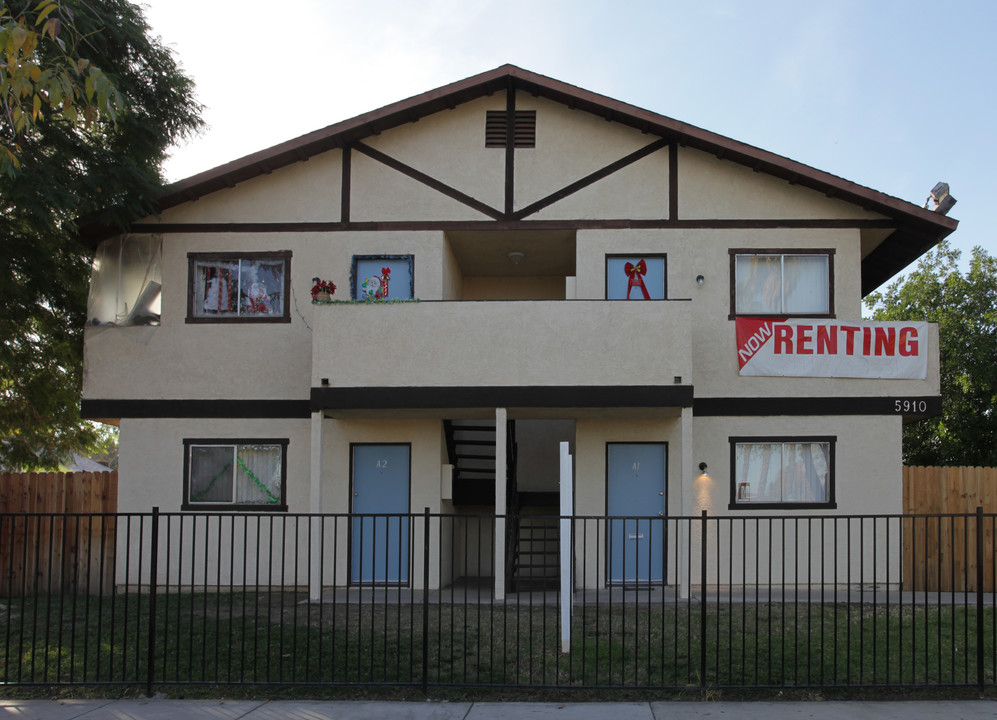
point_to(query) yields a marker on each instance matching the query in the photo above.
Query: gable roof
(917, 229)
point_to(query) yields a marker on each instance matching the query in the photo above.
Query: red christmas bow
(635, 273)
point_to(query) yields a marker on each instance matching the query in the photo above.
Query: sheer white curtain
(782, 472)
(774, 284)
(804, 285)
(758, 284)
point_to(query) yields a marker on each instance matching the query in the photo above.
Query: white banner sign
(832, 348)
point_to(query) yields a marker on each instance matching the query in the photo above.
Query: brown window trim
(278, 254)
(831, 502)
(188, 506)
(829, 252)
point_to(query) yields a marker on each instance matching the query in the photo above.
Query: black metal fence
(664, 603)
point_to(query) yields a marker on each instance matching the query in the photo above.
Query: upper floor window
(635, 277)
(778, 472)
(238, 287)
(382, 277)
(783, 283)
(227, 474)
(125, 281)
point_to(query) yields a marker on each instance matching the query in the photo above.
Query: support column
(501, 474)
(685, 501)
(315, 507)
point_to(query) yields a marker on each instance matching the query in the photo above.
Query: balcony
(586, 352)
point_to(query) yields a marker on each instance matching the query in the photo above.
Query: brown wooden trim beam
(510, 149)
(673, 181)
(451, 225)
(344, 212)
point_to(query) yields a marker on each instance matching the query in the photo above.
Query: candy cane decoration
(385, 277)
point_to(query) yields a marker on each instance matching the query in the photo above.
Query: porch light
(702, 469)
(700, 280)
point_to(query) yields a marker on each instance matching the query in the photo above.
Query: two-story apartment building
(519, 263)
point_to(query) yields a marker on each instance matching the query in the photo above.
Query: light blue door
(380, 539)
(635, 475)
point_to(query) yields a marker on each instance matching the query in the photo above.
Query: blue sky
(894, 95)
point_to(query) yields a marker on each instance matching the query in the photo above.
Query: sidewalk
(349, 710)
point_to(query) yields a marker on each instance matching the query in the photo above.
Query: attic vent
(524, 133)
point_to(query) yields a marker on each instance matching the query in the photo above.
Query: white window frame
(278, 505)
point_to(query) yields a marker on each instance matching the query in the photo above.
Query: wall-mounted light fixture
(700, 280)
(702, 468)
(516, 257)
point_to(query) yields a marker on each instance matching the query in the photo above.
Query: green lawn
(273, 638)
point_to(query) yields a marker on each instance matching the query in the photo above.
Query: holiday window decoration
(322, 290)
(382, 278)
(640, 277)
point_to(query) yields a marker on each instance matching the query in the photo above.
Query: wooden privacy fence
(944, 544)
(69, 551)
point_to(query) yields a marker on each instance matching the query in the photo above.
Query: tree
(965, 308)
(49, 80)
(71, 165)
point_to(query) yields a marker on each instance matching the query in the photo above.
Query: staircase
(535, 562)
(532, 560)
(471, 446)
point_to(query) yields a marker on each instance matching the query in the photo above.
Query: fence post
(979, 598)
(425, 601)
(153, 573)
(702, 610)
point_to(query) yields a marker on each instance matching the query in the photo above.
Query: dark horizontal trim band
(904, 406)
(430, 225)
(387, 398)
(273, 409)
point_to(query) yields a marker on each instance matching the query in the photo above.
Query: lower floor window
(781, 472)
(225, 474)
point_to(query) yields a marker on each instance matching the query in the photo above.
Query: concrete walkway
(157, 709)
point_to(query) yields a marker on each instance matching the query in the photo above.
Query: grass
(268, 640)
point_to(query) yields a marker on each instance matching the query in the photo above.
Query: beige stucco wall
(150, 469)
(572, 144)
(711, 188)
(513, 288)
(867, 479)
(198, 548)
(591, 438)
(503, 343)
(427, 444)
(450, 147)
(308, 191)
(238, 360)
